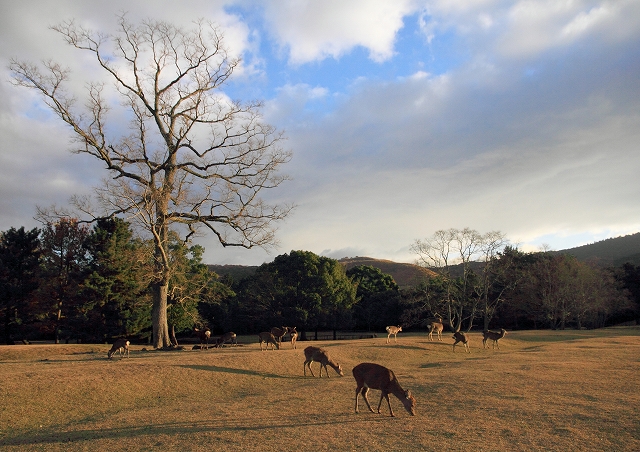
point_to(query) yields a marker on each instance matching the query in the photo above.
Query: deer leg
(310, 369)
(364, 392)
(386, 396)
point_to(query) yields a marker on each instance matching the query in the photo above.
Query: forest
(68, 281)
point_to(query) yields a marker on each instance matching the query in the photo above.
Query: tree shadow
(231, 370)
(57, 435)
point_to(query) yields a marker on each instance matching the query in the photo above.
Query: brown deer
(203, 336)
(278, 333)
(120, 346)
(494, 336)
(268, 338)
(226, 337)
(294, 336)
(393, 330)
(321, 356)
(438, 327)
(459, 336)
(374, 376)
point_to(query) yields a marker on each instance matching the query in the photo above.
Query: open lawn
(543, 390)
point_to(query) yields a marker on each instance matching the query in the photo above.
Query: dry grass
(542, 391)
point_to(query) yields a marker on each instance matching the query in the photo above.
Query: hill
(403, 274)
(615, 251)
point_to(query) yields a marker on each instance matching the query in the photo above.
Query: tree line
(69, 282)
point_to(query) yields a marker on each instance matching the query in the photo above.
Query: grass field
(543, 390)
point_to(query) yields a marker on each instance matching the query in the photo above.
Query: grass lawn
(543, 390)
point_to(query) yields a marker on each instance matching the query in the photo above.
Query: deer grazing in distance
(121, 346)
(294, 336)
(459, 336)
(278, 333)
(321, 356)
(393, 330)
(203, 336)
(226, 337)
(268, 338)
(374, 376)
(494, 336)
(438, 327)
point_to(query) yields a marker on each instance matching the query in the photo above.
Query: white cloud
(312, 31)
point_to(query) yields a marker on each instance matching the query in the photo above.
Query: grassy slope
(542, 391)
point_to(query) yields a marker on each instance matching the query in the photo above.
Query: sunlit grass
(543, 390)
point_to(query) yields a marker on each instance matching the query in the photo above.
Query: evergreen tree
(19, 273)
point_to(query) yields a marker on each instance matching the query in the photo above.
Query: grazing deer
(203, 336)
(438, 327)
(459, 336)
(226, 337)
(393, 330)
(294, 336)
(278, 333)
(374, 376)
(268, 338)
(120, 346)
(494, 336)
(321, 356)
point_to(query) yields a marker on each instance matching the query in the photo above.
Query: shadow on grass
(231, 370)
(54, 435)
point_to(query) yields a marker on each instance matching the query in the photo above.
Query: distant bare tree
(452, 253)
(191, 160)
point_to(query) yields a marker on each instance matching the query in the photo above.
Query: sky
(404, 117)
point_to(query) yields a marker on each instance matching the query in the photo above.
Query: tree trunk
(161, 337)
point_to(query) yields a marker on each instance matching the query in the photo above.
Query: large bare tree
(191, 159)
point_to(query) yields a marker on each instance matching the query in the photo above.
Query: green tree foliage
(117, 301)
(194, 290)
(299, 289)
(378, 298)
(64, 260)
(629, 278)
(19, 279)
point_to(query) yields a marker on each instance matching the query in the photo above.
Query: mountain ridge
(613, 251)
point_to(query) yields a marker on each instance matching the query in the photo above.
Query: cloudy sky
(404, 116)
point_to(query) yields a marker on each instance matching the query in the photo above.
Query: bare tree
(452, 253)
(192, 160)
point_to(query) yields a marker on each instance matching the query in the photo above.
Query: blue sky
(404, 117)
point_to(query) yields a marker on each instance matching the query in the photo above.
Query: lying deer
(268, 338)
(494, 336)
(203, 336)
(321, 356)
(374, 376)
(393, 330)
(438, 327)
(120, 346)
(459, 336)
(226, 337)
(278, 333)
(294, 336)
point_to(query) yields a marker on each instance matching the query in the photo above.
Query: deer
(321, 356)
(294, 336)
(226, 337)
(374, 376)
(203, 336)
(268, 338)
(438, 327)
(459, 336)
(494, 336)
(120, 346)
(278, 333)
(393, 330)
